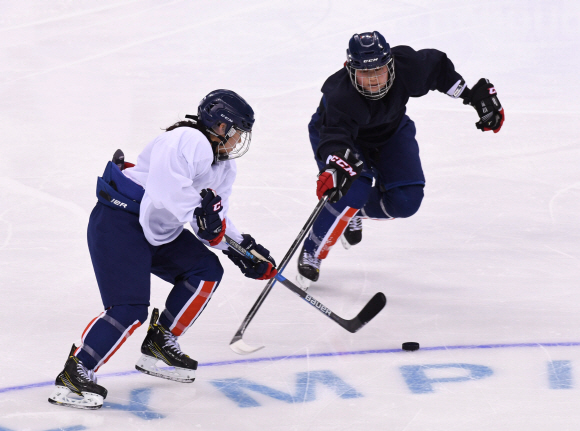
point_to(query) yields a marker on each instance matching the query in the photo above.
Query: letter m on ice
(238, 390)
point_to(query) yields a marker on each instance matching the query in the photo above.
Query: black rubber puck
(410, 346)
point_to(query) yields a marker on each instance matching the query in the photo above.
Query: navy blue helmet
(370, 64)
(225, 106)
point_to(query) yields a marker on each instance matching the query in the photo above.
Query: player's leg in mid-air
(397, 193)
(328, 228)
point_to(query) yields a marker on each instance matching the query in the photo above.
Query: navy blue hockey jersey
(346, 119)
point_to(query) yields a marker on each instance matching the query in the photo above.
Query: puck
(410, 346)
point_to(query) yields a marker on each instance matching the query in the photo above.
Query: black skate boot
(308, 269)
(352, 235)
(161, 345)
(78, 380)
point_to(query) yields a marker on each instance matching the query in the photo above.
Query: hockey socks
(106, 333)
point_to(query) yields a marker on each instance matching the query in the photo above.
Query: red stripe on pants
(193, 309)
(125, 336)
(337, 232)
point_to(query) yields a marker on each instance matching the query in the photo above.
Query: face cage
(376, 92)
(238, 150)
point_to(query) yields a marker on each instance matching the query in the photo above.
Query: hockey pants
(398, 202)
(123, 261)
(394, 167)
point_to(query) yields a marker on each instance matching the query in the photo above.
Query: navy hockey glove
(211, 227)
(483, 98)
(341, 169)
(119, 160)
(263, 270)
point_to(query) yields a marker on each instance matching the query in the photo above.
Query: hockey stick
(370, 310)
(237, 344)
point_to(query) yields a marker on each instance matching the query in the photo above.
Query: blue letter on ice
(560, 374)
(306, 383)
(419, 383)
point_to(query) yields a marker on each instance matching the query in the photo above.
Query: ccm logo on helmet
(227, 118)
(342, 164)
(368, 61)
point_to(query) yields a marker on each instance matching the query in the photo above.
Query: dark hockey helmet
(226, 106)
(366, 58)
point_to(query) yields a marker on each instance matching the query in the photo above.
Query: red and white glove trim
(326, 181)
(220, 236)
(270, 272)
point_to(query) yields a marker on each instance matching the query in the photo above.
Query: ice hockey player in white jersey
(185, 175)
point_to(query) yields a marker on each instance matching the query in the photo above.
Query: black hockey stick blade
(373, 307)
(369, 311)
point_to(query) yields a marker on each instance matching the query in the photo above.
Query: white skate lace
(355, 223)
(309, 259)
(86, 373)
(171, 342)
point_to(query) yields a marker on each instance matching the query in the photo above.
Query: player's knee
(404, 201)
(213, 270)
(126, 315)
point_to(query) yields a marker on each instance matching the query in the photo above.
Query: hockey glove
(263, 270)
(483, 98)
(211, 227)
(341, 169)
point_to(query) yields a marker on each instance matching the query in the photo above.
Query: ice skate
(308, 269)
(352, 235)
(161, 345)
(76, 386)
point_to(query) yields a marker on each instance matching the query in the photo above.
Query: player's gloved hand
(211, 227)
(341, 169)
(483, 98)
(263, 270)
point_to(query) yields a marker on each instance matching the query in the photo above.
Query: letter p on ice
(420, 378)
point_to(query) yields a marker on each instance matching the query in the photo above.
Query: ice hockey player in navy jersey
(185, 175)
(364, 143)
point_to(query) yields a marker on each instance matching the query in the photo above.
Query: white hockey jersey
(173, 169)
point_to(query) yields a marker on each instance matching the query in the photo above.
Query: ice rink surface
(485, 276)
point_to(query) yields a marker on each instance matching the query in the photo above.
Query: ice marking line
(130, 45)
(68, 16)
(17, 187)
(558, 193)
(319, 355)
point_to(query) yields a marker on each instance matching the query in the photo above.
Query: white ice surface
(492, 259)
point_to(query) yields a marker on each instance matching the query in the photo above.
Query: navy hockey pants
(394, 168)
(123, 261)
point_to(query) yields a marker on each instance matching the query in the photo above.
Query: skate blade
(147, 365)
(89, 401)
(303, 282)
(345, 243)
